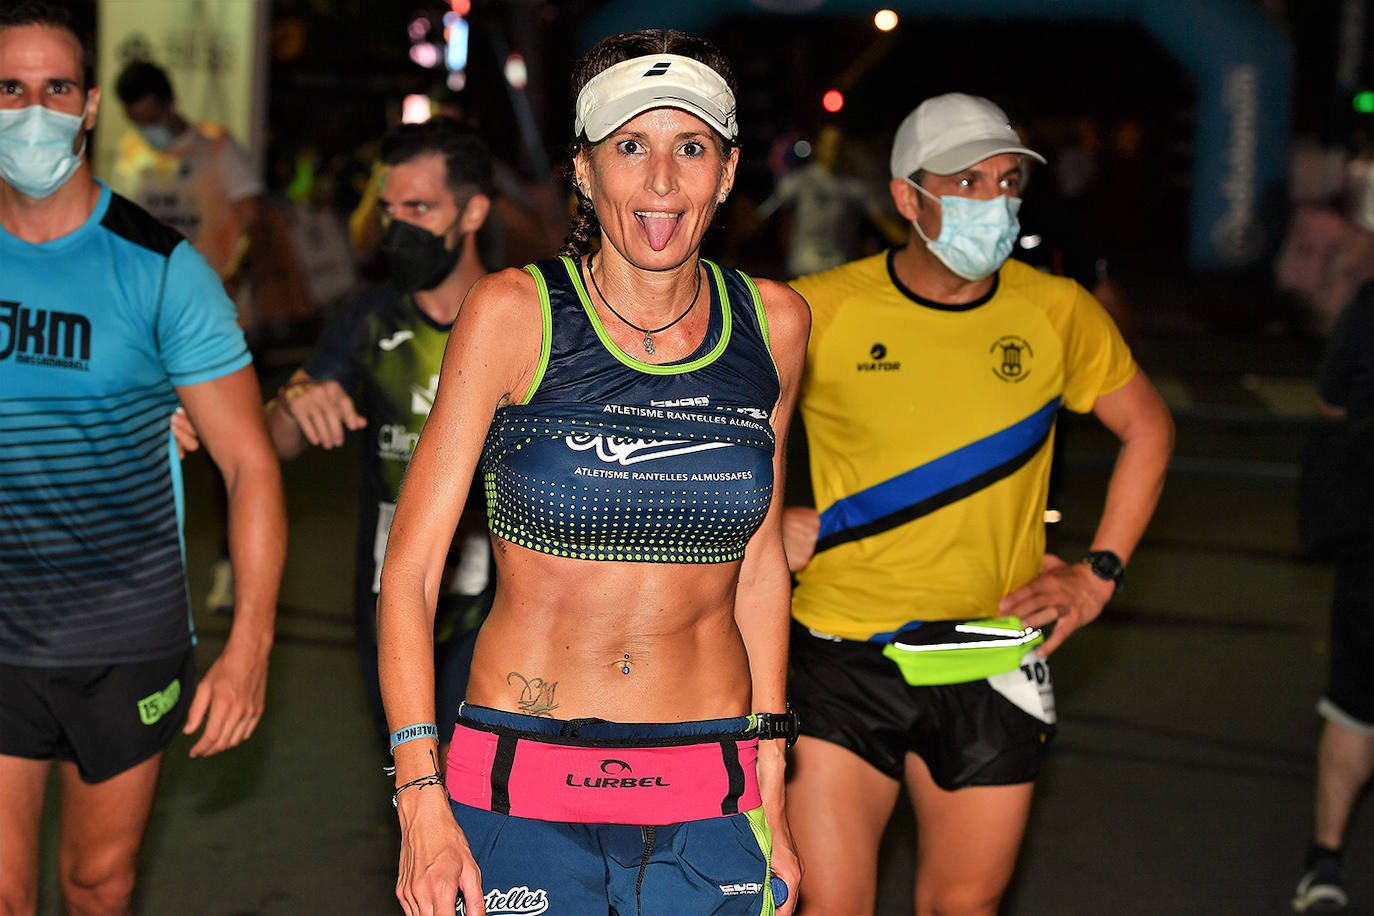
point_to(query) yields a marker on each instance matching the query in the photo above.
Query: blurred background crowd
(1232, 149)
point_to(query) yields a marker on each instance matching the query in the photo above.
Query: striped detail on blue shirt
(938, 483)
(90, 525)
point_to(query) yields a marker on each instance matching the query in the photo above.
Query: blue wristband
(412, 732)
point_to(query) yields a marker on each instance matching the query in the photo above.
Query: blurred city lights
(418, 29)
(1363, 102)
(801, 149)
(517, 74)
(415, 109)
(457, 80)
(833, 100)
(460, 7)
(457, 44)
(425, 54)
(885, 20)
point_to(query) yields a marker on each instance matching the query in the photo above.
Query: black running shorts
(1351, 688)
(104, 718)
(848, 693)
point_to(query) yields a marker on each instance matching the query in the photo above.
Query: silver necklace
(647, 332)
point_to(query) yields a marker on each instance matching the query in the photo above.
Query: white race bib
(1029, 687)
(385, 511)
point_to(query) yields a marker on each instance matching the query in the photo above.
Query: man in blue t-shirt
(107, 320)
(376, 368)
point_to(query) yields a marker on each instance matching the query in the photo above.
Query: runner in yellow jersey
(923, 618)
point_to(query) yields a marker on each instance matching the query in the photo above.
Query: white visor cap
(632, 87)
(949, 133)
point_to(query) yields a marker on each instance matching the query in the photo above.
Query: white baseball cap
(632, 87)
(948, 133)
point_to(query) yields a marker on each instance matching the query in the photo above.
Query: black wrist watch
(1108, 566)
(778, 725)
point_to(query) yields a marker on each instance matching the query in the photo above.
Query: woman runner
(621, 745)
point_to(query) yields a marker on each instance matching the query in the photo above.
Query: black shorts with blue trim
(846, 692)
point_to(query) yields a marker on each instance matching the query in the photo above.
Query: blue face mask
(976, 236)
(36, 155)
(158, 136)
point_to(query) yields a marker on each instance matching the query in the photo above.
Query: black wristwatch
(778, 725)
(1108, 566)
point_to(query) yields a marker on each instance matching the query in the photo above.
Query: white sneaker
(1321, 888)
(220, 599)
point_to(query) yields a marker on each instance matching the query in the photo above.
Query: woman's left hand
(786, 864)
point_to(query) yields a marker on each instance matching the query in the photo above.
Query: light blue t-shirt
(96, 329)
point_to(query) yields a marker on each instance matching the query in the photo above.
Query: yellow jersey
(931, 430)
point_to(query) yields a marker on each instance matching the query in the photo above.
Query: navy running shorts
(104, 718)
(714, 864)
(846, 692)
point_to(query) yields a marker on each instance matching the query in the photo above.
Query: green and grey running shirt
(386, 352)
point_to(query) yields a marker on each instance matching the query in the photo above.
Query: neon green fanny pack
(957, 651)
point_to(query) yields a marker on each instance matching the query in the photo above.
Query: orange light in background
(885, 20)
(833, 100)
(461, 7)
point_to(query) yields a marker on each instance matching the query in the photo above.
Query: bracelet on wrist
(412, 733)
(289, 392)
(433, 779)
(430, 779)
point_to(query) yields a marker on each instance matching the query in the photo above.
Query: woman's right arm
(491, 355)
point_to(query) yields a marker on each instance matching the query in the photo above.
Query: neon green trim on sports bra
(546, 343)
(575, 273)
(758, 310)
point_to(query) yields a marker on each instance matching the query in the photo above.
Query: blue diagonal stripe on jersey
(937, 483)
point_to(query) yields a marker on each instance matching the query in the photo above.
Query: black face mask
(415, 257)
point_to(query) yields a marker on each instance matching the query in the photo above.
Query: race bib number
(469, 578)
(385, 512)
(1029, 687)
(474, 565)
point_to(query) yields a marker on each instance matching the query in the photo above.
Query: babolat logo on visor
(659, 68)
(153, 707)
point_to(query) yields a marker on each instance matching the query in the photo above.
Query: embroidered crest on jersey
(1011, 358)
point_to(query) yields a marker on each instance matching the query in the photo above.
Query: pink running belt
(610, 784)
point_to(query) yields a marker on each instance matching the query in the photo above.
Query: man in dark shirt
(376, 368)
(1345, 751)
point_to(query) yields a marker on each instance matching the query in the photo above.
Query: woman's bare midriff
(626, 642)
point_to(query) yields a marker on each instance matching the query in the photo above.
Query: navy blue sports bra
(610, 458)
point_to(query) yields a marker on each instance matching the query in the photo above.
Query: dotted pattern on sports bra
(690, 521)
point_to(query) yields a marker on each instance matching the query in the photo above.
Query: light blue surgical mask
(976, 236)
(36, 155)
(158, 136)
